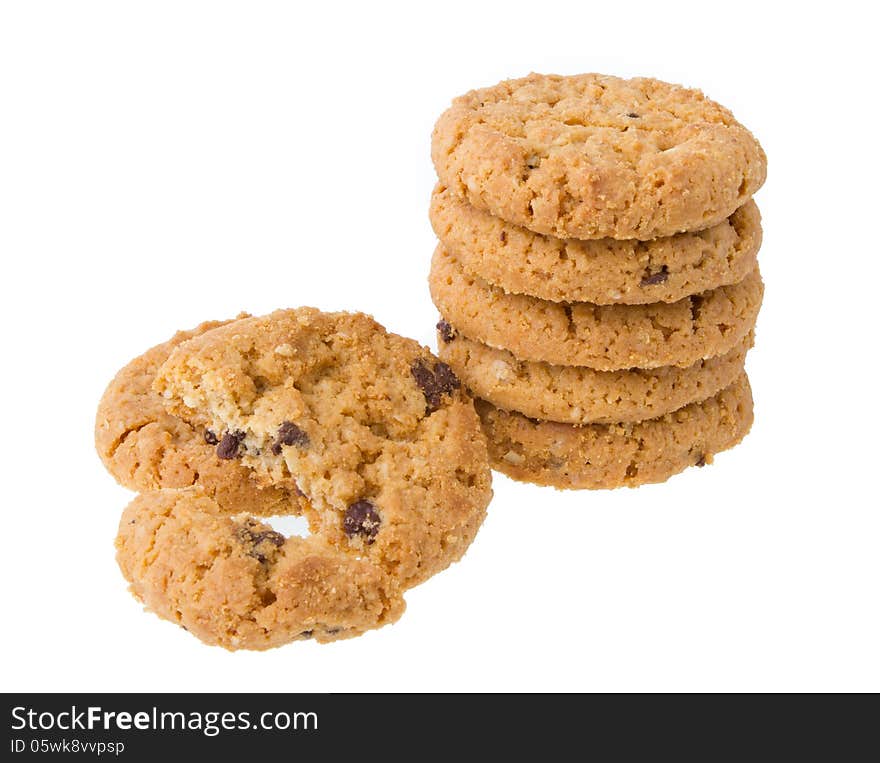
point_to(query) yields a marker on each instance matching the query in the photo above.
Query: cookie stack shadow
(597, 274)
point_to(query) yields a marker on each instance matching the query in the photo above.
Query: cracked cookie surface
(599, 456)
(594, 156)
(604, 337)
(581, 395)
(602, 271)
(374, 430)
(146, 448)
(233, 581)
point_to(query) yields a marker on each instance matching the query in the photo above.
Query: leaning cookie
(581, 395)
(597, 456)
(371, 427)
(602, 271)
(593, 156)
(603, 337)
(146, 448)
(233, 581)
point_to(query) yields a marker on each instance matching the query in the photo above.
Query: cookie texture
(594, 156)
(146, 448)
(617, 455)
(581, 395)
(375, 431)
(604, 337)
(233, 581)
(602, 271)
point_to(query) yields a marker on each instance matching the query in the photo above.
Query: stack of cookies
(597, 274)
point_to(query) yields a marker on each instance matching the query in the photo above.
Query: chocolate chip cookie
(602, 271)
(617, 455)
(146, 448)
(233, 581)
(372, 429)
(603, 337)
(581, 395)
(593, 156)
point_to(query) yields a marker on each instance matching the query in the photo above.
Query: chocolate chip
(424, 376)
(210, 437)
(652, 279)
(254, 538)
(306, 634)
(332, 631)
(447, 380)
(633, 115)
(230, 445)
(696, 307)
(289, 434)
(701, 461)
(361, 518)
(447, 333)
(434, 384)
(503, 236)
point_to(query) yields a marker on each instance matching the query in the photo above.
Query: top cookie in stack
(597, 273)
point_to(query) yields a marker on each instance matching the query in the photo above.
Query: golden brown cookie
(604, 337)
(581, 395)
(233, 581)
(593, 156)
(603, 271)
(146, 448)
(617, 455)
(369, 426)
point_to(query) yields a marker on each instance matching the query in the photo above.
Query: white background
(164, 163)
